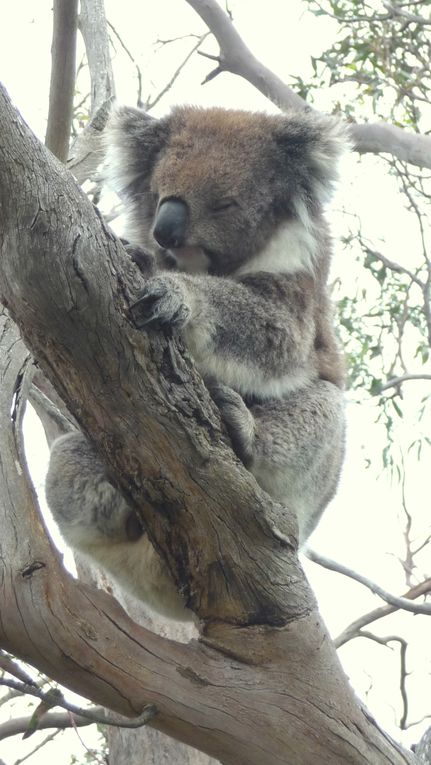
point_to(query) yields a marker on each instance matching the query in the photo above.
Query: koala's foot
(95, 520)
(87, 507)
(238, 420)
(163, 301)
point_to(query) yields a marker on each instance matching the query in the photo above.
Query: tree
(259, 624)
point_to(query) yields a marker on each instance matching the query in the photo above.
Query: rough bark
(84, 159)
(125, 745)
(147, 745)
(263, 686)
(236, 58)
(72, 293)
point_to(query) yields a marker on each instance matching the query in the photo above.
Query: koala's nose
(170, 224)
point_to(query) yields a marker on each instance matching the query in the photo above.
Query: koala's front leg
(246, 333)
(163, 301)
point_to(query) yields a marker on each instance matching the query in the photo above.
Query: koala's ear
(312, 145)
(133, 140)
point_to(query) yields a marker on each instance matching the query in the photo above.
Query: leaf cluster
(383, 50)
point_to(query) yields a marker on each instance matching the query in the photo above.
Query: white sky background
(360, 527)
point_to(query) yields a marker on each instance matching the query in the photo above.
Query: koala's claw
(134, 527)
(225, 396)
(143, 259)
(238, 420)
(162, 301)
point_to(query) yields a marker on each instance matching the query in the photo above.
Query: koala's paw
(134, 527)
(163, 301)
(143, 259)
(238, 420)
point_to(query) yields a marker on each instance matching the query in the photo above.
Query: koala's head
(214, 187)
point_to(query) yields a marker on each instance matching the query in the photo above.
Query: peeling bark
(263, 685)
(92, 23)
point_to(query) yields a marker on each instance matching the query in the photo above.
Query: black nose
(170, 225)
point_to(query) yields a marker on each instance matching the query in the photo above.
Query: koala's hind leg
(95, 520)
(294, 446)
(87, 508)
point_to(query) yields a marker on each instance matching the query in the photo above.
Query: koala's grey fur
(238, 197)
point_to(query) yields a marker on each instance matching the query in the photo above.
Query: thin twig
(12, 668)
(132, 59)
(412, 18)
(96, 714)
(403, 603)
(46, 740)
(92, 752)
(151, 104)
(355, 628)
(396, 381)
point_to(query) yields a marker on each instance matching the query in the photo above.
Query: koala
(226, 211)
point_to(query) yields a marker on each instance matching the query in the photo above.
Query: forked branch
(236, 58)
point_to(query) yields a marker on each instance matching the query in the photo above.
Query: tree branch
(59, 720)
(92, 715)
(152, 102)
(412, 18)
(395, 382)
(92, 24)
(393, 600)
(355, 627)
(381, 138)
(236, 58)
(87, 152)
(37, 748)
(7, 664)
(84, 306)
(62, 88)
(68, 282)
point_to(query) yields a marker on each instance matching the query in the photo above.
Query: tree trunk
(263, 684)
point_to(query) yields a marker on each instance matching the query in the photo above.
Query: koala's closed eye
(226, 203)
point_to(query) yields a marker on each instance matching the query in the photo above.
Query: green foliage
(377, 68)
(383, 53)
(384, 329)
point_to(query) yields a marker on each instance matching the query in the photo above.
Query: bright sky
(359, 527)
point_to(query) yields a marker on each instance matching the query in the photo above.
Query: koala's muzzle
(170, 224)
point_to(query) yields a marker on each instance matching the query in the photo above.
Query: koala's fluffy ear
(312, 145)
(133, 141)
